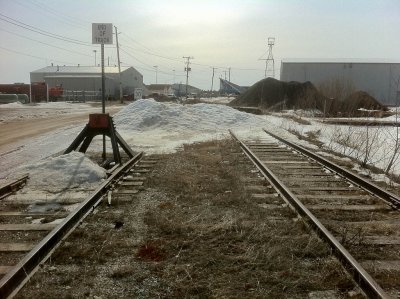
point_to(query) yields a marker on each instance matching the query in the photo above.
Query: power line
(62, 14)
(150, 52)
(40, 31)
(130, 55)
(145, 50)
(45, 10)
(20, 53)
(35, 40)
(137, 67)
(151, 68)
(38, 57)
(135, 41)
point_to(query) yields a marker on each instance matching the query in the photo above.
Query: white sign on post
(102, 33)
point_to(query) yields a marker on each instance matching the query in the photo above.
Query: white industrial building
(161, 89)
(85, 81)
(379, 79)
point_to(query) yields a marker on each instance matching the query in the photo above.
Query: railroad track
(11, 187)
(359, 220)
(28, 237)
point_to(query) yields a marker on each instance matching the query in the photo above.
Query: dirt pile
(275, 95)
(358, 102)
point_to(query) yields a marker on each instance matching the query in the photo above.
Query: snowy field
(18, 111)
(155, 127)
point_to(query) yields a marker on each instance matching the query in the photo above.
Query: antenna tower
(270, 62)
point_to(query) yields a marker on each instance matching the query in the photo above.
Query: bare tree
(370, 146)
(337, 88)
(396, 148)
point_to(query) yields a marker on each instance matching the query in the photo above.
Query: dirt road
(29, 134)
(13, 133)
(19, 130)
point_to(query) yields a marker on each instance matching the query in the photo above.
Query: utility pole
(119, 67)
(187, 69)
(95, 62)
(156, 68)
(229, 74)
(212, 80)
(174, 76)
(225, 74)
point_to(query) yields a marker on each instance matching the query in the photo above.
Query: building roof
(338, 60)
(158, 86)
(229, 87)
(73, 76)
(179, 86)
(80, 69)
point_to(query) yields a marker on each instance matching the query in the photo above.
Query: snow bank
(12, 105)
(62, 105)
(49, 105)
(145, 115)
(392, 118)
(156, 127)
(218, 100)
(68, 171)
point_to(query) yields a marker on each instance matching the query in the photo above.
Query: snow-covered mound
(218, 100)
(19, 112)
(12, 105)
(62, 105)
(68, 171)
(147, 114)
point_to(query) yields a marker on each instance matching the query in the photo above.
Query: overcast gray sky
(220, 33)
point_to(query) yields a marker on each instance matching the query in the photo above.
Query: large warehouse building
(381, 80)
(85, 81)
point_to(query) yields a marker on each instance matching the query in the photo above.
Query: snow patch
(56, 174)
(218, 100)
(12, 105)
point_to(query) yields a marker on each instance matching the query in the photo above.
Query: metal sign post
(103, 97)
(102, 34)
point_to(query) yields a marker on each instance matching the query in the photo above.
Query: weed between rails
(216, 240)
(194, 232)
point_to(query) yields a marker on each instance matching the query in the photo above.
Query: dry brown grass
(297, 119)
(195, 232)
(220, 243)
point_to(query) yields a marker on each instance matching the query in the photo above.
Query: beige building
(86, 80)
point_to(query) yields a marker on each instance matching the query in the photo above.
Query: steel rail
(19, 274)
(360, 276)
(10, 187)
(352, 177)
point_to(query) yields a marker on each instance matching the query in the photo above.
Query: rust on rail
(9, 188)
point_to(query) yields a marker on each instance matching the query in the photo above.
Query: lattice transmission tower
(270, 62)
